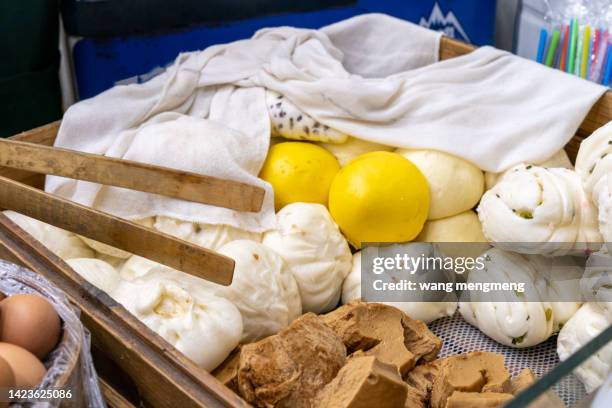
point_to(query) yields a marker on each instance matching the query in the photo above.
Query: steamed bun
(588, 322)
(353, 147)
(461, 228)
(263, 289)
(316, 252)
(455, 185)
(62, 243)
(290, 122)
(204, 235)
(97, 272)
(111, 251)
(201, 325)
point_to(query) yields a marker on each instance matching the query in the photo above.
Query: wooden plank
(43, 135)
(112, 397)
(165, 377)
(450, 48)
(114, 231)
(132, 175)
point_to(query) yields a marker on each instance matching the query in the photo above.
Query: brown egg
(7, 378)
(31, 322)
(28, 370)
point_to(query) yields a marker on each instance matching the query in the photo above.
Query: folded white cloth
(360, 77)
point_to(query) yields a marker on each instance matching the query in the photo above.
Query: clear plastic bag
(69, 366)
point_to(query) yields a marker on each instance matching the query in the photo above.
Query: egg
(31, 322)
(27, 369)
(7, 378)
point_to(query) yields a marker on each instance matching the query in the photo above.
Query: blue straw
(608, 71)
(541, 45)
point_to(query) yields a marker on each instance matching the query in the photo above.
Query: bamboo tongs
(108, 229)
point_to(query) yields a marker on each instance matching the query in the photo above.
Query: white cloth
(360, 76)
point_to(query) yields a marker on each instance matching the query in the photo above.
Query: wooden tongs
(114, 231)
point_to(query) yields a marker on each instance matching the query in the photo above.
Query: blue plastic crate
(101, 63)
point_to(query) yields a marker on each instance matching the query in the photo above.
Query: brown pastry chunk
(420, 381)
(384, 332)
(227, 372)
(471, 372)
(291, 367)
(523, 380)
(364, 383)
(461, 399)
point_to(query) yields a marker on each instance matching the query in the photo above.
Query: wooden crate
(164, 377)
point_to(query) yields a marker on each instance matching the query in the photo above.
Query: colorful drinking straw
(565, 42)
(571, 54)
(554, 42)
(541, 45)
(584, 62)
(608, 70)
(593, 54)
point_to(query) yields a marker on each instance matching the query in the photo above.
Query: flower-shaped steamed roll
(594, 164)
(559, 159)
(316, 252)
(588, 322)
(544, 209)
(515, 319)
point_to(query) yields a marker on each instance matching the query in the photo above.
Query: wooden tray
(163, 376)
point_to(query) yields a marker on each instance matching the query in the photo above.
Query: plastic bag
(69, 367)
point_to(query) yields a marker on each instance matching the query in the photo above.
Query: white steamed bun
(263, 289)
(204, 235)
(97, 272)
(62, 243)
(353, 147)
(461, 228)
(316, 252)
(201, 325)
(455, 185)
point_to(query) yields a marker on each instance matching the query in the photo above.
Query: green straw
(572, 50)
(553, 48)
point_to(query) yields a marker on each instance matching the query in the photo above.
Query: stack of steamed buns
(306, 265)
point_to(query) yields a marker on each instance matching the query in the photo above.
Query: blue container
(102, 63)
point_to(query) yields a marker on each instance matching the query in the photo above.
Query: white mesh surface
(460, 337)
